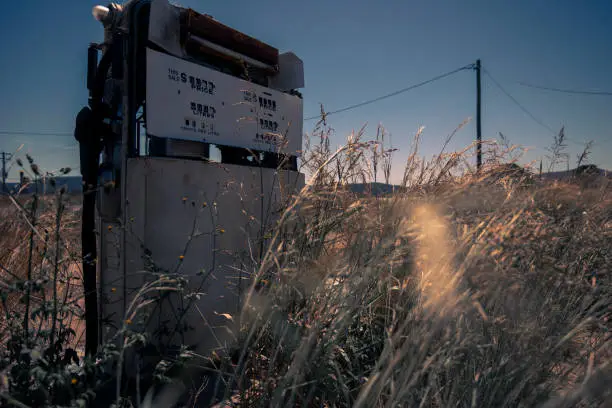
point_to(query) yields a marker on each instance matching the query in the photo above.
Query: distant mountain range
(376, 189)
(73, 183)
(587, 170)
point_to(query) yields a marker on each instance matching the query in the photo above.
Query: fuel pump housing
(169, 86)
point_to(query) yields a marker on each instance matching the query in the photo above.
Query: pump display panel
(188, 101)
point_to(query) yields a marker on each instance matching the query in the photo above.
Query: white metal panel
(192, 102)
(210, 213)
(165, 26)
(291, 73)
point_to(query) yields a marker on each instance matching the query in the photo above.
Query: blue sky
(352, 51)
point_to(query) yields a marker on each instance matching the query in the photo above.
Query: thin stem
(58, 218)
(26, 317)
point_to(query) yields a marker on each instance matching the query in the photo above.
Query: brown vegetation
(468, 289)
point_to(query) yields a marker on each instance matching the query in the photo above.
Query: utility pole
(5, 158)
(478, 123)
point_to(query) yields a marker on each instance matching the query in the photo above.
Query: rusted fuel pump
(167, 87)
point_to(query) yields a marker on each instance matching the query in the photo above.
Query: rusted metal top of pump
(207, 28)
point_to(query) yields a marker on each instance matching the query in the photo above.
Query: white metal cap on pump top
(111, 17)
(100, 13)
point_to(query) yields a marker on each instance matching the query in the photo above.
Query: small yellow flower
(74, 381)
(128, 321)
(204, 204)
(184, 199)
(113, 290)
(221, 231)
(181, 257)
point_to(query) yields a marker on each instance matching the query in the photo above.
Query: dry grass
(439, 302)
(461, 289)
(488, 289)
(15, 230)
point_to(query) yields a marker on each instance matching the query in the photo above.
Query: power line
(538, 121)
(380, 98)
(570, 91)
(398, 92)
(23, 133)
